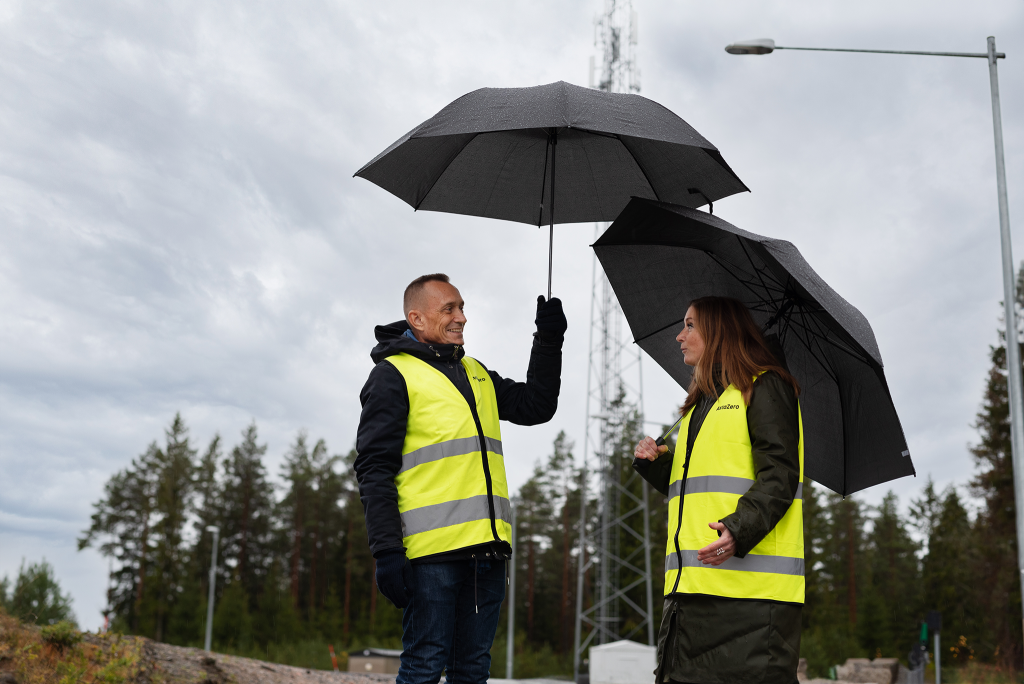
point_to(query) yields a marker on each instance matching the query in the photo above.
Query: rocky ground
(174, 664)
(31, 655)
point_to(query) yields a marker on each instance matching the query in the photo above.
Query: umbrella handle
(661, 440)
(551, 247)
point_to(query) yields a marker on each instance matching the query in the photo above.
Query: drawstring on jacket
(476, 602)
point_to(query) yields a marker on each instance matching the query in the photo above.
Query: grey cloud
(181, 229)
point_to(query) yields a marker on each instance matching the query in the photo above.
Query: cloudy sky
(181, 231)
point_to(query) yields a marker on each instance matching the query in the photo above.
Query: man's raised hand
(550, 317)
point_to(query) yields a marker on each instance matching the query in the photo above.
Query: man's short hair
(413, 290)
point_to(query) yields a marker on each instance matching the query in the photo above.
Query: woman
(734, 582)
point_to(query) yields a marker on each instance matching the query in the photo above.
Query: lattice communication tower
(615, 551)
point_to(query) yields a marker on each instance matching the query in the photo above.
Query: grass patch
(60, 654)
(975, 673)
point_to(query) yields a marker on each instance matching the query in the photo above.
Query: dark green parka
(717, 640)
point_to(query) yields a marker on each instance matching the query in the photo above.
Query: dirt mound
(173, 664)
(30, 655)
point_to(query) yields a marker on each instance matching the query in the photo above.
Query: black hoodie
(383, 420)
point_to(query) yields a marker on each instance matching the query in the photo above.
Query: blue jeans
(449, 624)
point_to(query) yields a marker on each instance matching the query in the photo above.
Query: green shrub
(61, 635)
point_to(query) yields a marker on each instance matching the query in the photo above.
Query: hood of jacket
(391, 340)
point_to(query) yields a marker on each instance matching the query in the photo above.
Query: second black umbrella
(659, 257)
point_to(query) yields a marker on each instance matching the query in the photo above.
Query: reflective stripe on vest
(452, 490)
(453, 447)
(720, 471)
(723, 484)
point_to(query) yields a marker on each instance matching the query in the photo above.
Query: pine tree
(232, 622)
(562, 478)
(951, 570)
(5, 590)
(533, 535)
(892, 599)
(324, 524)
(814, 542)
(830, 635)
(297, 474)
(188, 616)
(353, 553)
(207, 511)
(248, 508)
(121, 526)
(174, 474)
(276, 620)
(998, 578)
(37, 596)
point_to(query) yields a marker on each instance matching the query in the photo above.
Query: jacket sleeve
(379, 441)
(774, 437)
(534, 401)
(658, 472)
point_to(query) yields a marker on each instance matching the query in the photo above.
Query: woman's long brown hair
(734, 349)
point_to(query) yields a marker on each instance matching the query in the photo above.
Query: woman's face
(690, 341)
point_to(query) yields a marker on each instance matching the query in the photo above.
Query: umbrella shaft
(553, 144)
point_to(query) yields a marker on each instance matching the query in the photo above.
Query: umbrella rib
(438, 177)
(543, 178)
(842, 408)
(779, 308)
(790, 324)
(753, 266)
(824, 332)
(725, 267)
(823, 362)
(602, 134)
(655, 332)
(729, 268)
(641, 167)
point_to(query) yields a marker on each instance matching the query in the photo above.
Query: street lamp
(765, 46)
(213, 581)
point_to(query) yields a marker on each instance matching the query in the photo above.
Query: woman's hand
(649, 450)
(722, 550)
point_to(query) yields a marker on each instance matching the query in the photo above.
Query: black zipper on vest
(483, 456)
(679, 522)
(682, 490)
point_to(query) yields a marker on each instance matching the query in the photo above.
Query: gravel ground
(179, 665)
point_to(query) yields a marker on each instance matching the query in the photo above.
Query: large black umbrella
(659, 257)
(494, 152)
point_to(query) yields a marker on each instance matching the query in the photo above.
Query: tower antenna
(615, 553)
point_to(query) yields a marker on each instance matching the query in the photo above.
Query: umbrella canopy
(659, 257)
(504, 153)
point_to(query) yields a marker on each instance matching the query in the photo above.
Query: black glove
(394, 573)
(550, 318)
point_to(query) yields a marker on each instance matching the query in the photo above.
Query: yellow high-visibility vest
(452, 491)
(720, 471)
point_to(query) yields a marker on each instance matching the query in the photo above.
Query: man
(432, 476)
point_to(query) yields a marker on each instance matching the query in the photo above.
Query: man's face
(438, 317)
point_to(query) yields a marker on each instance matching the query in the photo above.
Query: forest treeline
(294, 571)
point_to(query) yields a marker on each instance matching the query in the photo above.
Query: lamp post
(213, 582)
(765, 46)
(511, 637)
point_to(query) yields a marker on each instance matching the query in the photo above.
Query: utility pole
(614, 385)
(213, 583)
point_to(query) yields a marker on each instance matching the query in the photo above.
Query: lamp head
(213, 528)
(757, 46)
